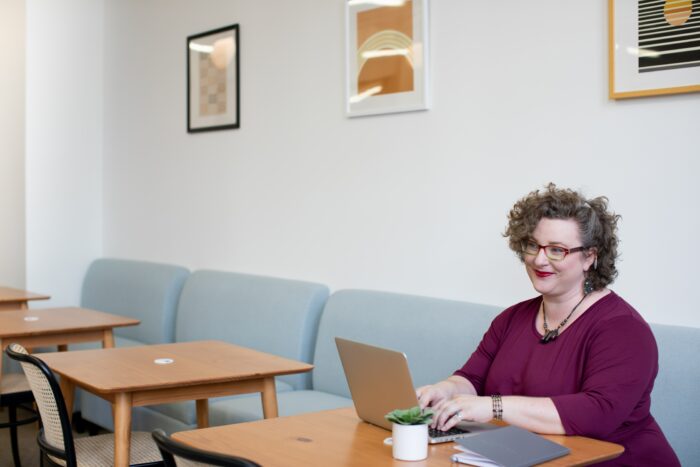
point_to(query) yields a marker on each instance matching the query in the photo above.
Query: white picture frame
(387, 56)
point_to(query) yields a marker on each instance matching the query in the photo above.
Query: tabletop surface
(22, 323)
(8, 294)
(339, 437)
(130, 369)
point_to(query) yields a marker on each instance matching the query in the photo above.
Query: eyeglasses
(553, 252)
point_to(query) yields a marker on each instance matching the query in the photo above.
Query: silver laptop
(380, 381)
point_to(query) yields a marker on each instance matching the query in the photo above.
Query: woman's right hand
(432, 394)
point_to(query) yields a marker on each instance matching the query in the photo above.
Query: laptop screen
(379, 380)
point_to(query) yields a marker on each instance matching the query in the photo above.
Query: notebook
(380, 381)
(509, 446)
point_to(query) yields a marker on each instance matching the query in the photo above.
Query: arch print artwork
(387, 56)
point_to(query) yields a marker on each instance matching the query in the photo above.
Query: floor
(29, 452)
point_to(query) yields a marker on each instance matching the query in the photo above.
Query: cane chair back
(56, 437)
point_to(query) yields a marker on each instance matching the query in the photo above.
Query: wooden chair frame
(170, 449)
(68, 453)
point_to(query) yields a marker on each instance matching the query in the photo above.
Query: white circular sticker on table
(163, 361)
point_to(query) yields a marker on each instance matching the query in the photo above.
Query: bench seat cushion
(246, 409)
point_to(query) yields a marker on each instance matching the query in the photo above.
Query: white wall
(64, 144)
(12, 56)
(412, 203)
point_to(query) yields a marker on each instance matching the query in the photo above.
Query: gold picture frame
(653, 47)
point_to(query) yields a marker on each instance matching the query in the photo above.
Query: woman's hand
(463, 407)
(433, 394)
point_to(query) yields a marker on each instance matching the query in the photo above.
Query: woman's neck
(558, 307)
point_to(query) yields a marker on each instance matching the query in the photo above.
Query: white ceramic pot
(409, 442)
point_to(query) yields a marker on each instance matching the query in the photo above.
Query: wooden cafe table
(58, 326)
(339, 438)
(16, 299)
(155, 374)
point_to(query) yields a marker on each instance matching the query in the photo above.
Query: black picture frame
(213, 80)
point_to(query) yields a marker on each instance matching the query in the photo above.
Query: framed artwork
(213, 85)
(387, 56)
(654, 47)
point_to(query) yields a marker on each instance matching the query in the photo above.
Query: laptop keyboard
(435, 433)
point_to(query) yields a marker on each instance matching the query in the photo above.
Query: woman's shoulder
(522, 311)
(612, 307)
(613, 315)
(525, 305)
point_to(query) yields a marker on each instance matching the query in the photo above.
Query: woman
(577, 359)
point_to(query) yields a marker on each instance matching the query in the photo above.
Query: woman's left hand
(464, 407)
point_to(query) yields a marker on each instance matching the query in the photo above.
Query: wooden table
(58, 326)
(340, 438)
(16, 299)
(131, 376)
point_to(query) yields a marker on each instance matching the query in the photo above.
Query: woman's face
(558, 278)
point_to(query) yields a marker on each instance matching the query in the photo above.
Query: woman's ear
(591, 259)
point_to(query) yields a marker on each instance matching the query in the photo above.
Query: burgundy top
(599, 372)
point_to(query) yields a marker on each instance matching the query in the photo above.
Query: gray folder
(511, 446)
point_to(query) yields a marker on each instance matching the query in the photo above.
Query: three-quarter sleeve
(621, 362)
(477, 366)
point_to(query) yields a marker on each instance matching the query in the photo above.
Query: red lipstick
(542, 273)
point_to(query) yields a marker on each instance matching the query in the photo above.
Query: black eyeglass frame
(567, 251)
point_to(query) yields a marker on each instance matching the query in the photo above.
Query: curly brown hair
(597, 226)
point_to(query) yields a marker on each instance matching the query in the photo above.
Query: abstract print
(668, 34)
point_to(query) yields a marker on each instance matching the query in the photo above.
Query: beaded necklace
(551, 334)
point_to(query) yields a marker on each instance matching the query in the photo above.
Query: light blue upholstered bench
(675, 398)
(277, 316)
(436, 335)
(143, 290)
(282, 317)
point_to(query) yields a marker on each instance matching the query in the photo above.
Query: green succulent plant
(412, 416)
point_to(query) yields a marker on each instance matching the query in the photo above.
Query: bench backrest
(436, 335)
(139, 289)
(674, 400)
(273, 315)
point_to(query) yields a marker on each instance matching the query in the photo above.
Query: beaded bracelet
(497, 406)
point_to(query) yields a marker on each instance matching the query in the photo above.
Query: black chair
(58, 447)
(16, 394)
(190, 457)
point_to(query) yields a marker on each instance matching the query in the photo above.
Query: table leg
(122, 429)
(2, 352)
(108, 339)
(68, 391)
(202, 413)
(269, 398)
